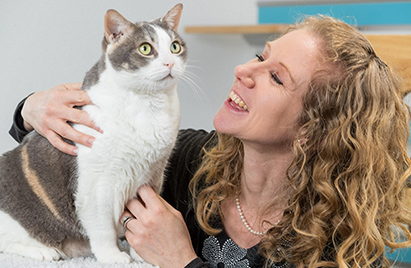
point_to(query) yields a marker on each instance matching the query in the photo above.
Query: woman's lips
(237, 102)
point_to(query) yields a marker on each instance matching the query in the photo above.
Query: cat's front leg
(97, 211)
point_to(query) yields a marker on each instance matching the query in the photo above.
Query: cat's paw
(42, 254)
(120, 257)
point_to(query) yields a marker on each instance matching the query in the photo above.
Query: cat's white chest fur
(139, 132)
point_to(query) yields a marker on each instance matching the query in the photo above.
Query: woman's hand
(158, 233)
(49, 111)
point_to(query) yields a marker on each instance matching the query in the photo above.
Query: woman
(307, 167)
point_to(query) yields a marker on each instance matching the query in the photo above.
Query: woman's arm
(48, 112)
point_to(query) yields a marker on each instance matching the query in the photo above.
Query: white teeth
(237, 100)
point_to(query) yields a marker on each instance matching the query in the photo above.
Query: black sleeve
(17, 130)
(197, 263)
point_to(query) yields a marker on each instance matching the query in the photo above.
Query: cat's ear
(115, 26)
(172, 18)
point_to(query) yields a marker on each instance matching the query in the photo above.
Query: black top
(219, 250)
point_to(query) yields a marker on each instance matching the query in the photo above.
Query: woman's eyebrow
(288, 71)
(282, 64)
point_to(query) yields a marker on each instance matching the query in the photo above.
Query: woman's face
(265, 100)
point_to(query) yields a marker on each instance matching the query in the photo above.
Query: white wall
(48, 42)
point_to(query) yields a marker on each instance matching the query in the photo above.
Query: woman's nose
(245, 73)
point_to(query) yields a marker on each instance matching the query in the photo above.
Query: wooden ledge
(242, 29)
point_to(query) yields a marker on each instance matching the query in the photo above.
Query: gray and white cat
(53, 205)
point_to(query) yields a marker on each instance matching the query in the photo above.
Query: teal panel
(362, 14)
(400, 255)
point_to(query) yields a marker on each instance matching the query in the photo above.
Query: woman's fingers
(49, 112)
(157, 234)
(126, 218)
(71, 86)
(58, 143)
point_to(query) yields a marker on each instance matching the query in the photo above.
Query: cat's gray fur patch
(93, 75)
(21, 203)
(123, 57)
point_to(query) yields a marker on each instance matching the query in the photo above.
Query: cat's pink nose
(169, 65)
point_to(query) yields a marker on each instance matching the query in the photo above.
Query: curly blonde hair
(347, 181)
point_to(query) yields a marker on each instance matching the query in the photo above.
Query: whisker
(189, 78)
(193, 66)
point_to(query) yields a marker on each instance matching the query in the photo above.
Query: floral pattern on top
(230, 255)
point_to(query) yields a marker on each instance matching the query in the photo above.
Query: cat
(54, 205)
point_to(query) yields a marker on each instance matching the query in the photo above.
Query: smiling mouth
(237, 102)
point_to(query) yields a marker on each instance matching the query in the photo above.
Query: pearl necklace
(244, 220)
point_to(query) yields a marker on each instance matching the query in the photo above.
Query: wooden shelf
(395, 50)
(242, 29)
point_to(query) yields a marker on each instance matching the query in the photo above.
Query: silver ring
(126, 219)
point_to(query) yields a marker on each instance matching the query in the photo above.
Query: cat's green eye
(175, 47)
(146, 49)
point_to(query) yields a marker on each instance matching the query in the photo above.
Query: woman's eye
(276, 79)
(259, 57)
(274, 76)
(146, 49)
(175, 48)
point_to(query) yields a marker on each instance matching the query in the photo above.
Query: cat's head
(147, 56)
